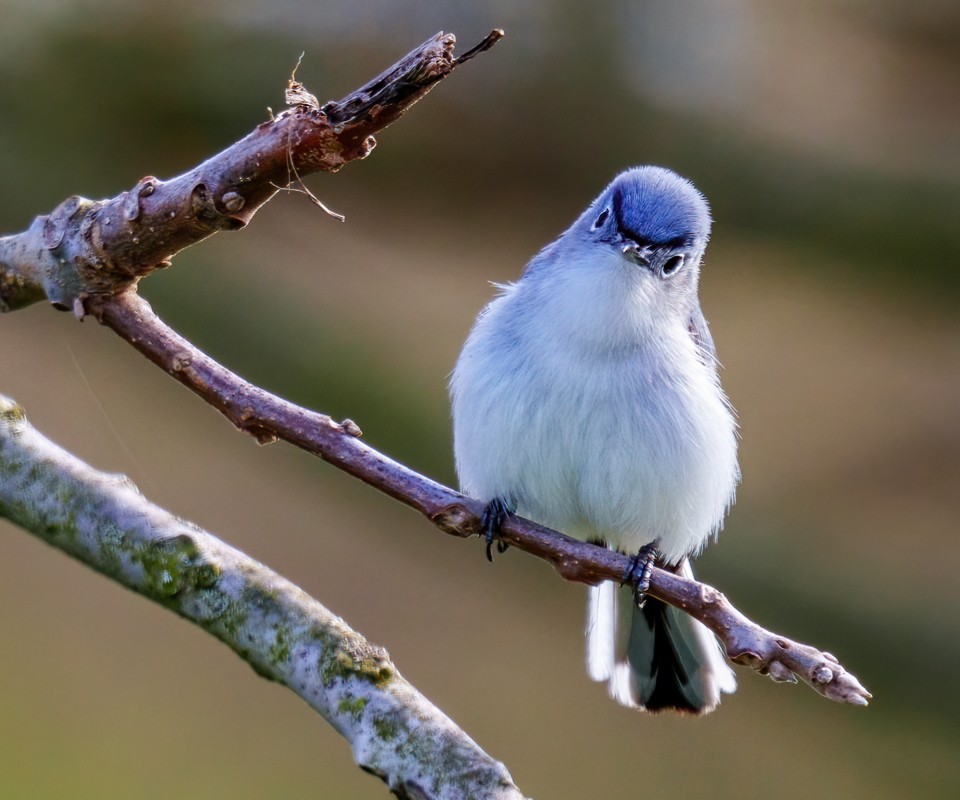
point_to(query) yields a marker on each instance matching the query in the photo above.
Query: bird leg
(494, 513)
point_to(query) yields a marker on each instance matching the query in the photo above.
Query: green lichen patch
(353, 706)
(11, 412)
(172, 565)
(388, 729)
(64, 528)
(280, 649)
(357, 660)
(207, 574)
(234, 617)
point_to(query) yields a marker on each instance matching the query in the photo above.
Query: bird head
(654, 221)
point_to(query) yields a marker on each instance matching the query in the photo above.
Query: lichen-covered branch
(85, 247)
(285, 635)
(268, 417)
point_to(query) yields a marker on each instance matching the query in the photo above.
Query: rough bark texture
(284, 634)
(85, 247)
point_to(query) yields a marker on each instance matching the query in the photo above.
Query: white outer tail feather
(602, 631)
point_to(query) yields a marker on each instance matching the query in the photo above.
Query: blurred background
(825, 135)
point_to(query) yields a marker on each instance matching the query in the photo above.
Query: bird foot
(639, 572)
(492, 518)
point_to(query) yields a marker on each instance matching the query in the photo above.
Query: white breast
(594, 418)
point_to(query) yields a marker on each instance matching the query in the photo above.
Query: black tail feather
(671, 684)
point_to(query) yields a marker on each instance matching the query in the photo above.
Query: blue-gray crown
(655, 206)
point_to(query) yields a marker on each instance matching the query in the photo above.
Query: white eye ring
(672, 266)
(601, 218)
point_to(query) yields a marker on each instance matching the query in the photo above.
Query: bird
(587, 398)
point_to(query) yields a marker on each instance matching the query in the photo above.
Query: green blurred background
(825, 136)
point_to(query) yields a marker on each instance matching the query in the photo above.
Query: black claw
(492, 518)
(639, 572)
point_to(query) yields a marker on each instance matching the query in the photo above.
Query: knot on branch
(11, 413)
(103, 247)
(358, 659)
(457, 519)
(131, 200)
(171, 565)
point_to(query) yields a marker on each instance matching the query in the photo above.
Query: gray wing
(700, 332)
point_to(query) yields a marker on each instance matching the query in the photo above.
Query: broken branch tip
(488, 41)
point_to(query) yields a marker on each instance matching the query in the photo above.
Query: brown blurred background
(826, 138)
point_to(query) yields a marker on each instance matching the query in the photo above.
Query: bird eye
(602, 218)
(671, 265)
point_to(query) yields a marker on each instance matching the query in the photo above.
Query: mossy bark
(283, 633)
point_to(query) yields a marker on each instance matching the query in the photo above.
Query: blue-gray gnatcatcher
(587, 399)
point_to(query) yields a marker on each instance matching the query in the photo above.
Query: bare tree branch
(86, 247)
(88, 257)
(268, 417)
(285, 635)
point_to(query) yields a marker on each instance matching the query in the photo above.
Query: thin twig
(489, 41)
(306, 191)
(268, 417)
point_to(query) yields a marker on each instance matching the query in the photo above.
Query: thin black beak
(637, 254)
